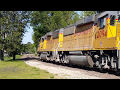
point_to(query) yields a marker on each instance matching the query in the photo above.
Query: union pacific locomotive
(92, 42)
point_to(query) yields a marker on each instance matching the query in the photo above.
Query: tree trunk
(1, 55)
(14, 55)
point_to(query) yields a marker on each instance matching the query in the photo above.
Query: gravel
(65, 72)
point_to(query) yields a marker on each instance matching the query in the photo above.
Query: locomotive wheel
(101, 69)
(66, 60)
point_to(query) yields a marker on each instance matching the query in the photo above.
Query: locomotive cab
(41, 44)
(107, 39)
(107, 30)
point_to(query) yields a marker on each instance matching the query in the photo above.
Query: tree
(3, 30)
(28, 48)
(46, 21)
(13, 27)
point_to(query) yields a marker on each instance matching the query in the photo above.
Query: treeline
(12, 29)
(46, 21)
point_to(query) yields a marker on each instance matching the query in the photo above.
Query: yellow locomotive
(93, 41)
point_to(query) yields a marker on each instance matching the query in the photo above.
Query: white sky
(28, 35)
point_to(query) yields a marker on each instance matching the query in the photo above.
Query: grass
(17, 69)
(10, 58)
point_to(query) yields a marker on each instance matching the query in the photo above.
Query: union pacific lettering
(101, 33)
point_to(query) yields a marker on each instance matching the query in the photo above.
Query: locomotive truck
(92, 42)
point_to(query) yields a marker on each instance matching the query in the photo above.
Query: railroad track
(69, 72)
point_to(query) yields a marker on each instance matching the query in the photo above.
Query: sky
(28, 35)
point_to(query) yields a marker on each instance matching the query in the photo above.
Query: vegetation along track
(68, 72)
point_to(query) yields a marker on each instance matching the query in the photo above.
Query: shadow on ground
(28, 58)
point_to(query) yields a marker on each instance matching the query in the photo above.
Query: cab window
(112, 20)
(119, 18)
(42, 39)
(39, 39)
(102, 21)
(48, 37)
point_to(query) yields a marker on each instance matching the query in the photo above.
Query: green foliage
(46, 21)
(87, 13)
(28, 48)
(12, 29)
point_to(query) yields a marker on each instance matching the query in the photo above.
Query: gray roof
(49, 34)
(85, 20)
(109, 13)
(43, 36)
(55, 33)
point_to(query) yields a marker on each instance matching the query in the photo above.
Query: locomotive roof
(69, 26)
(43, 36)
(85, 20)
(49, 34)
(93, 17)
(99, 15)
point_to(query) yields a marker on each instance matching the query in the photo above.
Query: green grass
(10, 58)
(17, 69)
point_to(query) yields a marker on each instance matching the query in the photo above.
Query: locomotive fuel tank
(81, 60)
(75, 53)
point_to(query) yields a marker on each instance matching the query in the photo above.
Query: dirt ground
(65, 72)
